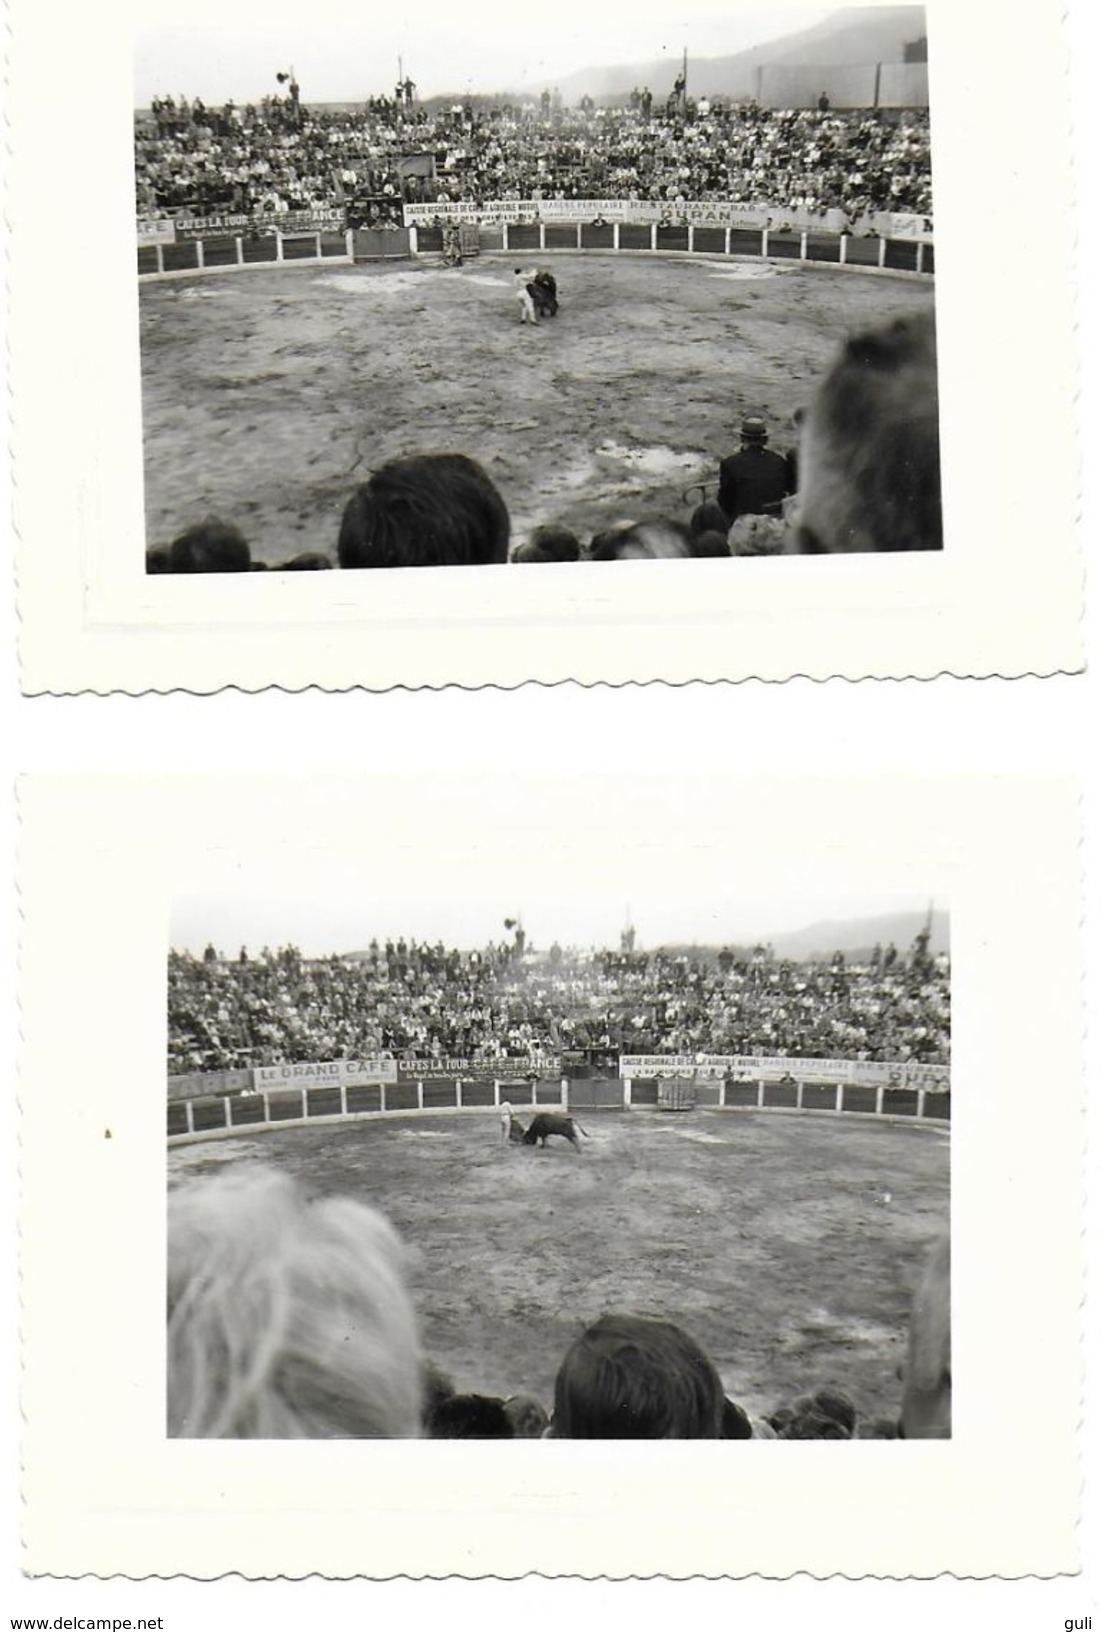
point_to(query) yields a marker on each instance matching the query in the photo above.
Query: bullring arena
(270, 391)
(787, 1241)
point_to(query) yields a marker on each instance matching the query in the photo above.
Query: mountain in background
(855, 37)
(859, 935)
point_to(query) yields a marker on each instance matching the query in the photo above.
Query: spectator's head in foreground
(308, 561)
(634, 1377)
(643, 541)
(869, 455)
(211, 546)
(470, 1416)
(827, 1414)
(429, 510)
(158, 559)
(927, 1378)
(288, 1316)
(550, 543)
(527, 1416)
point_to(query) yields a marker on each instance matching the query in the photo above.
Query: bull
(546, 1124)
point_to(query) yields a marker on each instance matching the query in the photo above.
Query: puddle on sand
(357, 283)
(741, 274)
(656, 461)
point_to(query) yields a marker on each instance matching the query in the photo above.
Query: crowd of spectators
(863, 475)
(281, 156)
(290, 1317)
(509, 1005)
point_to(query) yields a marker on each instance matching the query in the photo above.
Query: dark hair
(210, 546)
(709, 544)
(708, 518)
(736, 1424)
(634, 1377)
(826, 1414)
(526, 1415)
(158, 559)
(550, 543)
(869, 459)
(469, 1416)
(643, 541)
(310, 561)
(428, 510)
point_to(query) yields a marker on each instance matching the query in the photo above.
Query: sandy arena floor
(787, 1245)
(268, 395)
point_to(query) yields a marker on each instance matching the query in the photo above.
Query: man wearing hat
(754, 481)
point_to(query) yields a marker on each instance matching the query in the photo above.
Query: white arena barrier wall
(204, 1110)
(900, 249)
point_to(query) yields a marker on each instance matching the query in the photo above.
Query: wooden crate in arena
(676, 1094)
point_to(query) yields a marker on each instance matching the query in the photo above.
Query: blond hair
(288, 1317)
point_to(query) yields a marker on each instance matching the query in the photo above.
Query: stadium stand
(498, 1005)
(272, 158)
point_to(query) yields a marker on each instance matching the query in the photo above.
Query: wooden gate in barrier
(595, 1094)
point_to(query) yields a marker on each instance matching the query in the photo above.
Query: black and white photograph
(577, 295)
(617, 1113)
(729, 281)
(491, 1186)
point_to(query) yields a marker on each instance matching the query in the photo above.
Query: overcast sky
(345, 52)
(345, 922)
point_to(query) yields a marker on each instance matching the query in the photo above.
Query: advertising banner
(236, 226)
(200, 1084)
(155, 230)
(323, 1074)
(416, 1070)
(528, 211)
(917, 228)
(770, 1067)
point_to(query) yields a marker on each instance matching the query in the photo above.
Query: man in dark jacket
(754, 481)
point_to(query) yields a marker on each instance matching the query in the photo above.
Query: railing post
(458, 1093)
(691, 238)
(542, 235)
(920, 258)
(843, 251)
(653, 235)
(413, 241)
(267, 1106)
(343, 1099)
(579, 235)
(879, 1099)
(564, 1093)
(799, 1095)
(382, 1096)
(802, 246)
(190, 1116)
(305, 1112)
(278, 245)
(760, 1093)
(349, 243)
(317, 245)
(838, 1098)
(420, 1094)
(627, 1085)
(921, 1103)
(726, 250)
(497, 1091)
(882, 253)
(200, 255)
(764, 243)
(504, 233)
(615, 235)
(160, 256)
(240, 242)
